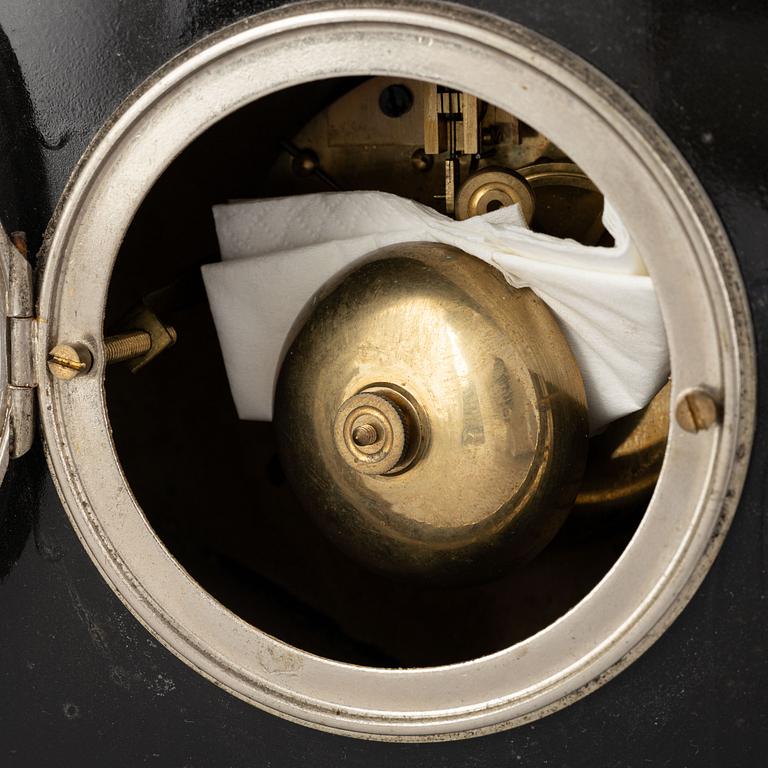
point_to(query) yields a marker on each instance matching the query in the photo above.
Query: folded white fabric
(278, 253)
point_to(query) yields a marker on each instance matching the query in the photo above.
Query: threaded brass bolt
(65, 361)
(366, 434)
(125, 346)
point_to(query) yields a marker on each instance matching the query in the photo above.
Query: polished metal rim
(701, 296)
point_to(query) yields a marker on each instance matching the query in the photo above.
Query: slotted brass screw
(65, 361)
(696, 410)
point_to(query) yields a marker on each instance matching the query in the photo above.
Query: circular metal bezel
(687, 254)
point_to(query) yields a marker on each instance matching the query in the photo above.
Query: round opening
(395, 100)
(320, 640)
(229, 515)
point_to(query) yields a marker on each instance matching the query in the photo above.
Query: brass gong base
(431, 418)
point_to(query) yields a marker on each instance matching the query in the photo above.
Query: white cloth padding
(278, 253)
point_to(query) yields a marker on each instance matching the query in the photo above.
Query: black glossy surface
(84, 685)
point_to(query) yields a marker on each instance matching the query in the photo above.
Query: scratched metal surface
(84, 685)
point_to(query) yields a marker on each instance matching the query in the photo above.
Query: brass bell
(431, 418)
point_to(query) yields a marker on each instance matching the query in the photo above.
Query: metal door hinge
(22, 337)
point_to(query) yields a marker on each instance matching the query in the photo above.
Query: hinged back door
(17, 384)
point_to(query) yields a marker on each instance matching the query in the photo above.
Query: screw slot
(65, 361)
(696, 410)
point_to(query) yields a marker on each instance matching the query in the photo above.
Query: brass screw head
(65, 361)
(305, 163)
(19, 240)
(696, 410)
(421, 161)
